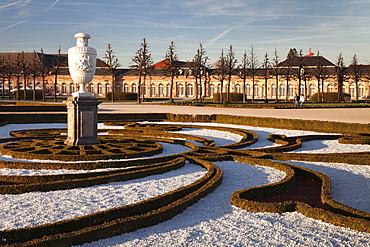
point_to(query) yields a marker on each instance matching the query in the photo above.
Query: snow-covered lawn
(212, 221)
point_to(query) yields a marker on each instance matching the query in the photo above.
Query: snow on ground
(212, 221)
(35, 208)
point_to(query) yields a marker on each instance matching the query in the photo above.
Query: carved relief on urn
(82, 63)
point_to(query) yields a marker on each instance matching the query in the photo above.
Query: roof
(308, 61)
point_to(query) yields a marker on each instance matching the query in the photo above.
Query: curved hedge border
(116, 221)
(333, 211)
(22, 184)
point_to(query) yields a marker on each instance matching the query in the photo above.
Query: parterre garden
(129, 154)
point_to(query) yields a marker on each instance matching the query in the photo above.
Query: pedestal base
(82, 121)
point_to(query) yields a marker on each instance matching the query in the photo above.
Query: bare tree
(230, 66)
(266, 67)
(143, 62)
(276, 71)
(288, 73)
(243, 73)
(318, 72)
(355, 73)
(301, 70)
(198, 69)
(44, 71)
(253, 66)
(220, 73)
(172, 66)
(35, 72)
(341, 73)
(55, 68)
(112, 65)
(3, 75)
(25, 71)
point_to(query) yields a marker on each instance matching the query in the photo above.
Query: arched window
(361, 91)
(125, 88)
(152, 90)
(291, 90)
(200, 88)
(72, 88)
(256, 90)
(312, 90)
(303, 89)
(190, 90)
(107, 88)
(330, 88)
(168, 90)
(247, 90)
(211, 90)
(273, 90)
(134, 88)
(219, 88)
(282, 90)
(180, 90)
(91, 88)
(160, 90)
(100, 89)
(238, 88)
(64, 89)
(118, 87)
(352, 90)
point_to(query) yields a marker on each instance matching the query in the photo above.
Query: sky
(328, 26)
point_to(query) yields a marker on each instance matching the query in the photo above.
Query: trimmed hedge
(119, 220)
(234, 97)
(121, 96)
(330, 97)
(334, 212)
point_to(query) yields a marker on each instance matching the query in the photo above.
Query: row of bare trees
(26, 69)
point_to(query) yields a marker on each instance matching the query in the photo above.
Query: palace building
(304, 75)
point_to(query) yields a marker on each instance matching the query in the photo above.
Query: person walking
(301, 101)
(296, 101)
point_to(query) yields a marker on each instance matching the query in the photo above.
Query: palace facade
(294, 77)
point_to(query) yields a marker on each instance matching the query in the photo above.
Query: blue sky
(332, 27)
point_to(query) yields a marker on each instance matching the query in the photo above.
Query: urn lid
(82, 39)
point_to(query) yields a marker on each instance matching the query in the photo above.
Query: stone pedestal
(82, 121)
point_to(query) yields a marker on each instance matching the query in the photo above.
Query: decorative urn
(82, 63)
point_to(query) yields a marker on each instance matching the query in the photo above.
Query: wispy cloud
(23, 4)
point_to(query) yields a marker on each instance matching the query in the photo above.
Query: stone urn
(82, 63)
(82, 107)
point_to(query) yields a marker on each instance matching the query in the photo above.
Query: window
(180, 91)
(219, 88)
(134, 88)
(312, 90)
(282, 91)
(91, 88)
(256, 90)
(152, 90)
(168, 90)
(361, 90)
(72, 88)
(118, 87)
(125, 88)
(238, 88)
(100, 89)
(247, 90)
(161, 90)
(211, 90)
(303, 89)
(107, 88)
(352, 90)
(190, 90)
(64, 89)
(290, 90)
(273, 90)
(330, 88)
